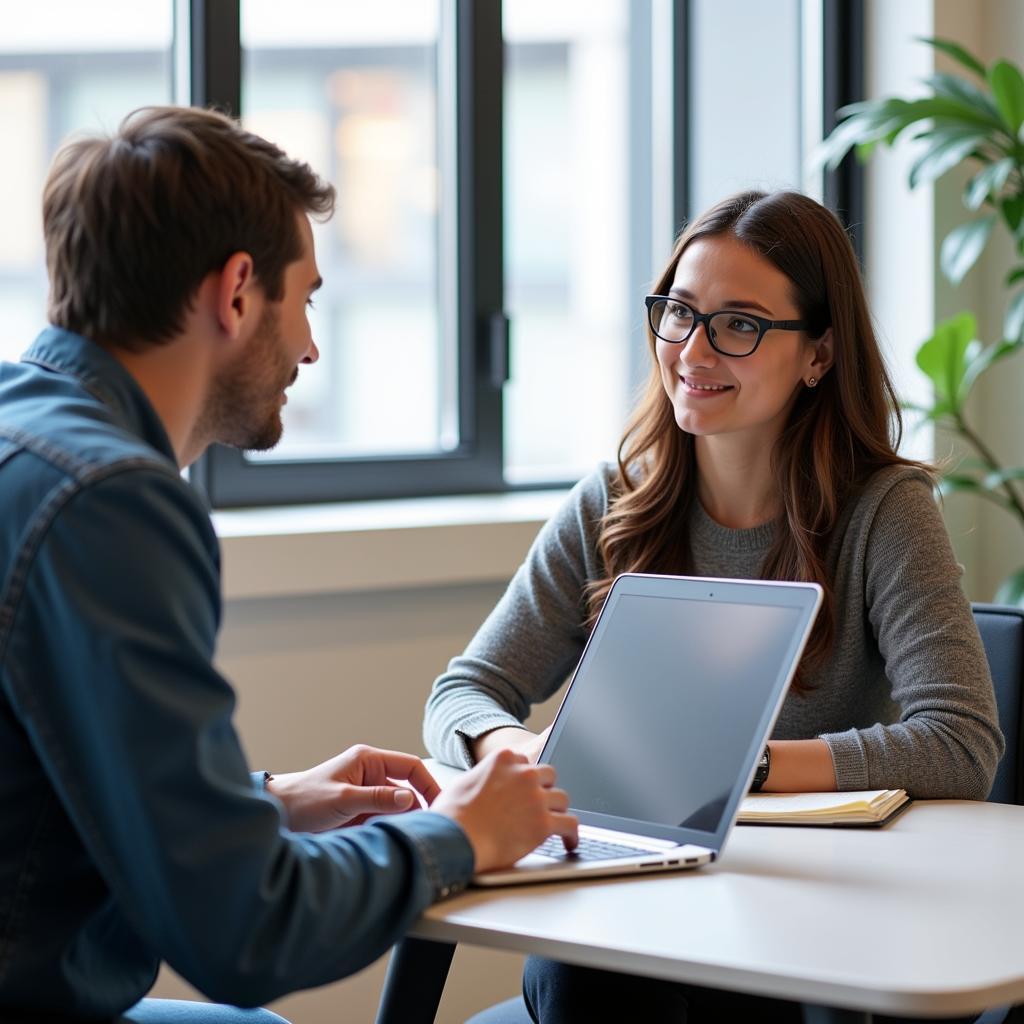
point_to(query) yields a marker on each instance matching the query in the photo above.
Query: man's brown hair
(134, 222)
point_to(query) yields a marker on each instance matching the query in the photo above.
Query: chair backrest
(1002, 632)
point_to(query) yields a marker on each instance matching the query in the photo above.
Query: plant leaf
(950, 149)
(986, 182)
(1013, 325)
(954, 111)
(1008, 89)
(953, 483)
(1013, 211)
(971, 462)
(864, 150)
(994, 480)
(981, 361)
(864, 122)
(1014, 276)
(943, 357)
(962, 247)
(957, 52)
(928, 414)
(955, 88)
(1011, 590)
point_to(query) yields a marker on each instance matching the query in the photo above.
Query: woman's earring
(812, 382)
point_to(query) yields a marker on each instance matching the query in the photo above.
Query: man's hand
(352, 786)
(510, 738)
(507, 806)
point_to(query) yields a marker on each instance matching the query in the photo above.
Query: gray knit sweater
(905, 700)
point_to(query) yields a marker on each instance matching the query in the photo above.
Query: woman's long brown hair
(837, 435)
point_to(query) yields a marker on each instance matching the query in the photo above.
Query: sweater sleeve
(946, 742)
(531, 640)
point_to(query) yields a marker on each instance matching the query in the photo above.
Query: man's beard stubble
(243, 407)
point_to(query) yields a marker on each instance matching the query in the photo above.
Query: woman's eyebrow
(728, 304)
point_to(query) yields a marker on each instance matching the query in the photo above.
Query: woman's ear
(824, 354)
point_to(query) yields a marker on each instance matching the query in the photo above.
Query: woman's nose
(697, 350)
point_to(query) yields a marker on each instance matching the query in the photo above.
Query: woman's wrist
(800, 766)
(505, 736)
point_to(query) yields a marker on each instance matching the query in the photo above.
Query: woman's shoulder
(889, 482)
(586, 503)
(594, 491)
(892, 499)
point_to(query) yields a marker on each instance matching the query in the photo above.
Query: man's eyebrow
(728, 304)
(315, 285)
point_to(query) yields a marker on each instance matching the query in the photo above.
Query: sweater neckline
(706, 531)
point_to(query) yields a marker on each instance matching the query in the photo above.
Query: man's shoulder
(65, 428)
(64, 453)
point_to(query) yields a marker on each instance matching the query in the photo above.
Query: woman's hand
(349, 788)
(510, 738)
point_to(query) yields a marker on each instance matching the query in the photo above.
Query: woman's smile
(699, 388)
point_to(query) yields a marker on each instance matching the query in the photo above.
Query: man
(181, 264)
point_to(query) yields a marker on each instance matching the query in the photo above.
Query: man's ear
(237, 295)
(824, 355)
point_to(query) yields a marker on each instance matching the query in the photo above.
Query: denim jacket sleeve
(133, 726)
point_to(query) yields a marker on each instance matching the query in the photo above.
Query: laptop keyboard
(588, 849)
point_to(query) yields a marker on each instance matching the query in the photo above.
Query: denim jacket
(132, 829)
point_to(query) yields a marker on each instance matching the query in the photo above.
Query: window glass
(63, 70)
(568, 218)
(745, 103)
(352, 88)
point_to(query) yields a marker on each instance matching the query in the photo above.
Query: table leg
(831, 1015)
(415, 981)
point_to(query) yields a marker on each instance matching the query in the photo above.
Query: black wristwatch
(764, 766)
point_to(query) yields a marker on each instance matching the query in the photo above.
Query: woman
(763, 447)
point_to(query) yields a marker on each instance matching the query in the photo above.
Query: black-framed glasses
(730, 332)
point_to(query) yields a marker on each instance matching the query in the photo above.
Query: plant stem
(988, 456)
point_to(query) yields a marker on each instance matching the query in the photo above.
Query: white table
(921, 918)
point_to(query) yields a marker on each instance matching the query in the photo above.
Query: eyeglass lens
(731, 333)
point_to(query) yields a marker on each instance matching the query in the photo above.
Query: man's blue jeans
(176, 1011)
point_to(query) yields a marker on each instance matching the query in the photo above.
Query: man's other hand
(360, 782)
(507, 806)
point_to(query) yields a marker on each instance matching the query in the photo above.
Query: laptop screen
(671, 700)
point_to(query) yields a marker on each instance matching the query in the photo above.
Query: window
(353, 89)
(63, 70)
(510, 177)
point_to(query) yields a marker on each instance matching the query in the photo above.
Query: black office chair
(419, 968)
(1002, 632)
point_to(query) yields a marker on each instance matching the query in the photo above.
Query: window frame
(481, 329)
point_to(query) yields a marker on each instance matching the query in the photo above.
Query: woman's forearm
(800, 766)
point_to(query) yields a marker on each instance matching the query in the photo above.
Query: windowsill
(378, 545)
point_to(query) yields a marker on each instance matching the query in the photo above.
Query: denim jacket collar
(105, 378)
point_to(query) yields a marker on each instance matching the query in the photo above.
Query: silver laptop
(665, 719)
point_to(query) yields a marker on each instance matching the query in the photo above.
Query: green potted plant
(972, 118)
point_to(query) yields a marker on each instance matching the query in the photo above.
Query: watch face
(761, 775)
